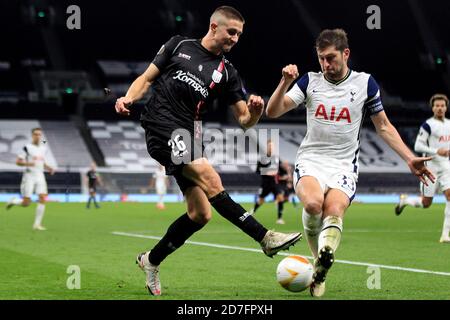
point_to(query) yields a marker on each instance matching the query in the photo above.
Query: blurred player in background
(434, 140)
(285, 186)
(269, 185)
(184, 78)
(326, 169)
(290, 191)
(94, 179)
(161, 182)
(32, 157)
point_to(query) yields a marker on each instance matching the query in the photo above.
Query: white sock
(331, 232)
(414, 201)
(312, 224)
(446, 228)
(16, 201)
(39, 214)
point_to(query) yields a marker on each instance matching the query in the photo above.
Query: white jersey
(334, 116)
(433, 135)
(36, 154)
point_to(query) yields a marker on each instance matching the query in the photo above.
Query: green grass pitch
(34, 264)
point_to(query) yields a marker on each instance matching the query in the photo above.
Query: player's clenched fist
(255, 104)
(122, 105)
(290, 72)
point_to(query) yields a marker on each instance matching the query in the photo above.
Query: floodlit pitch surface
(407, 260)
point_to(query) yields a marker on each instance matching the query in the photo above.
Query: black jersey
(282, 172)
(92, 178)
(265, 178)
(191, 77)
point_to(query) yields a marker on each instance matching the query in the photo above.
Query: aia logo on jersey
(343, 115)
(444, 138)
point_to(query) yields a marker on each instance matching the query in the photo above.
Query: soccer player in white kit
(161, 183)
(326, 169)
(32, 157)
(434, 140)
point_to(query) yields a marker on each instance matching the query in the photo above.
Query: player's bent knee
(313, 207)
(200, 217)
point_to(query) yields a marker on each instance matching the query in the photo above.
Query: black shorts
(173, 155)
(285, 190)
(267, 187)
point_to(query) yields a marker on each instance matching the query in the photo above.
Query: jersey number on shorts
(177, 145)
(346, 182)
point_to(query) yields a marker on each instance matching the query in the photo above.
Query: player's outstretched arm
(22, 163)
(391, 136)
(421, 145)
(248, 114)
(279, 103)
(137, 90)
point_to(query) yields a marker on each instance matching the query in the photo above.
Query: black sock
(280, 209)
(257, 205)
(89, 201)
(178, 232)
(238, 216)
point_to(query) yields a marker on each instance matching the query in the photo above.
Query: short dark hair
(438, 96)
(334, 37)
(35, 129)
(229, 13)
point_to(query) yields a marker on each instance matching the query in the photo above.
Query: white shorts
(33, 184)
(442, 174)
(329, 177)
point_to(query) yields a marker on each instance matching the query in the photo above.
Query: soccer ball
(294, 273)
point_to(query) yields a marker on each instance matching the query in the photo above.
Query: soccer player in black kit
(93, 180)
(184, 78)
(269, 182)
(284, 182)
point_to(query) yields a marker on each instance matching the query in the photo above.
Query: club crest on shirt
(352, 93)
(216, 76)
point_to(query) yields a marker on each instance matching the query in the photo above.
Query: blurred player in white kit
(161, 182)
(32, 157)
(434, 140)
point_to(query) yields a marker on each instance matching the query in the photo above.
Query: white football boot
(10, 203)
(401, 204)
(151, 274)
(276, 241)
(444, 239)
(321, 266)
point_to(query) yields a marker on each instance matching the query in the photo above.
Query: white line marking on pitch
(214, 245)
